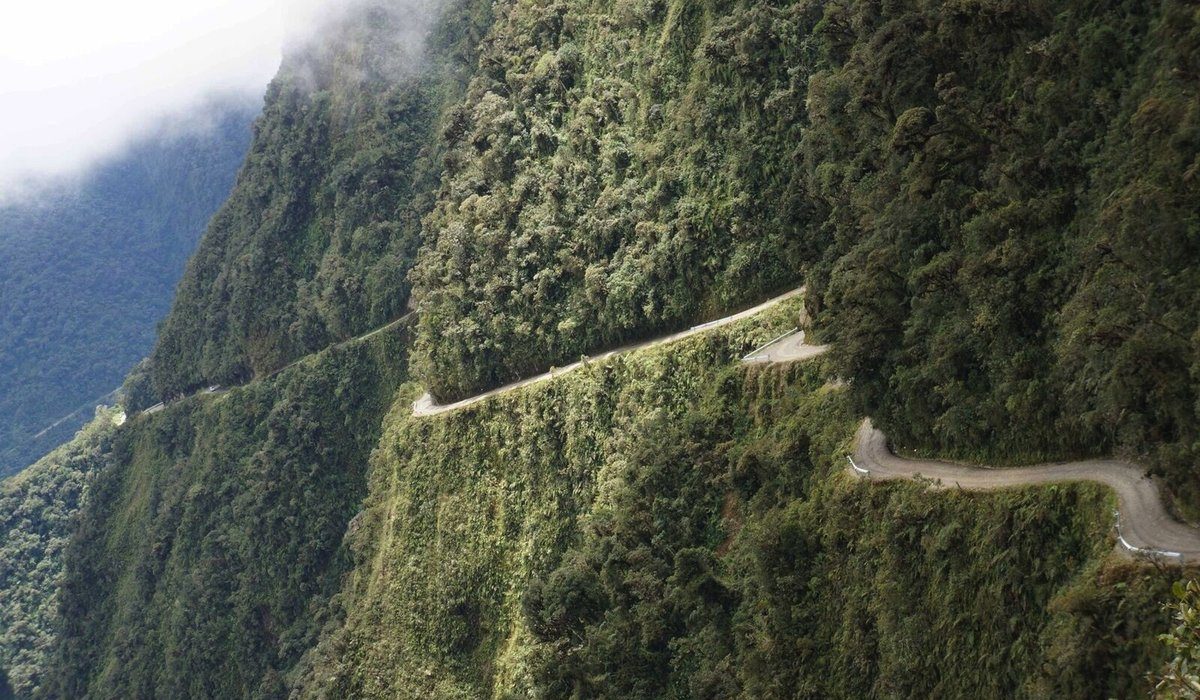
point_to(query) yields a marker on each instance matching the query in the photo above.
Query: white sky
(79, 78)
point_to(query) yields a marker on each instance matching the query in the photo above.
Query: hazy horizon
(79, 81)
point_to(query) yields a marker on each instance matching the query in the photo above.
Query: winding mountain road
(1144, 526)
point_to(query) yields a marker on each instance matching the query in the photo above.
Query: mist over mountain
(89, 264)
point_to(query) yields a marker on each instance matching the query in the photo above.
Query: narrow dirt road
(1144, 526)
(425, 405)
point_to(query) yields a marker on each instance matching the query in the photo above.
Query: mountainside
(1012, 193)
(315, 243)
(88, 268)
(992, 204)
(674, 524)
(210, 553)
(612, 173)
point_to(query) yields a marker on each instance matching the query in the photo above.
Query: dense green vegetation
(671, 524)
(1010, 195)
(615, 169)
(315, 243)
(210, 548)
(995, 204)
(37, 512)
(88, 268)
(1179, 678)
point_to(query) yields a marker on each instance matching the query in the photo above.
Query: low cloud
(79, 79)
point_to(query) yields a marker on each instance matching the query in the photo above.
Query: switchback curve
(1144, 526)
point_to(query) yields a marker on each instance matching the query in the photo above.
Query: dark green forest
(37, 511)
(88, 268)
(993, 204)
(617, 169)
(1010, 197)
(672, 524)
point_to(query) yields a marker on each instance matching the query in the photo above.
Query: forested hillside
(993, 205)
(674, 524)
(616, 169)
(88, 268)
(1012, 197)
(209, 556)
(37, 517)
(315, 243)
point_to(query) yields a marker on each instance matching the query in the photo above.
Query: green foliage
(1011, 193)
(210, 549)
(37, 516)
(994, 204)
(671, 524)
(613, 171)
(88, 268)
(137, 392)
(314, 244)
(1179, 679)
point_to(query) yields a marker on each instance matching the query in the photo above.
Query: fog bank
(80, 79)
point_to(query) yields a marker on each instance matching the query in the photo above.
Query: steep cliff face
(315, 243)
(675, 524)
(959, 186)
(209, 554)
(569, 174)
(1012, 192)
(993, 203)
(616, 170)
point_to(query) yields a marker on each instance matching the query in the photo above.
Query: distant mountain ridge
(88, 268)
